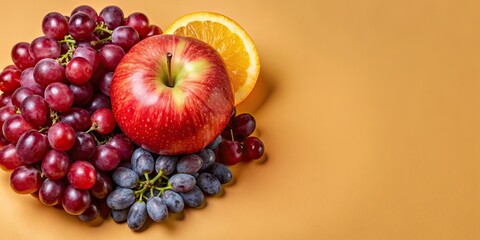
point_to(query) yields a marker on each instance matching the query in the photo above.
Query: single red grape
(243, 126)
(102, 187)
(8, 158)
(83, 148)
(44, 47)
(112, 16)
(82, 175)
(5, 113)
(79, 70)
(75, 201)
(87, 10)
(105, 83)
(81, 26)
(110, 55)
(253, 148)
(123, 146)
(48, 71)
(5, 99)
(35, 111)
(12, 67)
(152, 31)
(230, 152)
(98, 101)
(21, 56)
(27, 80)
(78, 118)
(32, 147)
(82, 94)
(59, 96)
(91, 215)
(55, 164)
(61, 136)
(88, 53)
(103, 120)
(139, 22)
(14, 127)
(25, 180)
(9, 80)
(125, 37)
(51, 191)
(106, 158)
(55, 25)
(20, 94)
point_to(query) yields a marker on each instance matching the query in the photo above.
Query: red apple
(172, 94)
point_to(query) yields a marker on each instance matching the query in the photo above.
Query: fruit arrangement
(108, 116)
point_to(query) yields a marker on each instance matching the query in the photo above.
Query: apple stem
(170, 82)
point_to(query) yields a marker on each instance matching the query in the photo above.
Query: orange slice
(230, 40)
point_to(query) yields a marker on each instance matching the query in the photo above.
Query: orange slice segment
(230, 40)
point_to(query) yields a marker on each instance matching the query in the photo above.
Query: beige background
(370, 111)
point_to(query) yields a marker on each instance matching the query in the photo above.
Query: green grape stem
(146, 177)
(43, 129)
(101, 41)
(71, 43)
(142, 190)
(65, 58)
(160, 174)
(231, 133)
(163, 189)
(155, 183)
(99, 142)
(101, 28)
(92, 128)
(54, 116)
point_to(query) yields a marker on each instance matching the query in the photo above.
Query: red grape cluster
(59, 134)
(237, 144)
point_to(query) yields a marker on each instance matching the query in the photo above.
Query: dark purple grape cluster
(154, 186)
(59, 135)
(237, 144)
